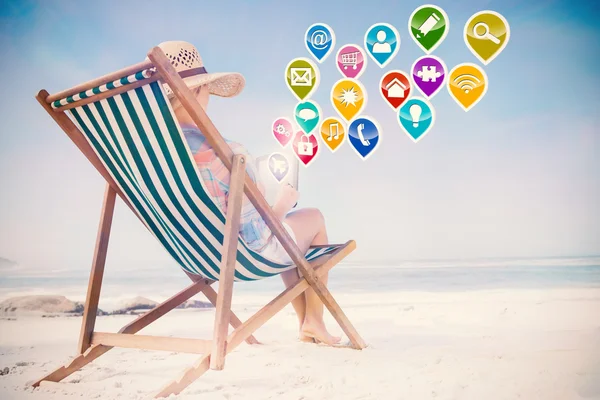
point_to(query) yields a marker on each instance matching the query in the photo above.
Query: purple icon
(428, 74)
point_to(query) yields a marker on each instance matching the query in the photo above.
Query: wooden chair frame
(93, 344)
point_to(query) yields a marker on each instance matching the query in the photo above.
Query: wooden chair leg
(228, 261)
(95, 283)
(202, 365)
(134, 326)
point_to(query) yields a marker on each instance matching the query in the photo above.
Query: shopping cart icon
(350, 59)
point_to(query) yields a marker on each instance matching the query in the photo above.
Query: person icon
(381, 47)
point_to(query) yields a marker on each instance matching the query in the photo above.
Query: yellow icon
(467, 84)
(348, 97)
(333, 133)
(486, 35)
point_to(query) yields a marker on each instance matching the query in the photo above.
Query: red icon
(305, 146)
(395, 88)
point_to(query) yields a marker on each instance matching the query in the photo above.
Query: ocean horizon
(158, 283)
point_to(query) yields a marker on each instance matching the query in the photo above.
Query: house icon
(395, 89)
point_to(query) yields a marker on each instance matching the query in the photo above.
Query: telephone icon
(359, 129)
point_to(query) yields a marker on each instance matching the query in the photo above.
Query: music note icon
(331, 129)
(333, 133)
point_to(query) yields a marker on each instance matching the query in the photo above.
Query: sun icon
(349, 96)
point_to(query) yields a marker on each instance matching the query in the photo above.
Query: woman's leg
(309, 228)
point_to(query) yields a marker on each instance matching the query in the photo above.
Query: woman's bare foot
(318, 332)
(306, 339)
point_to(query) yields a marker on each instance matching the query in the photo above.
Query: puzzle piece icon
(428, 73)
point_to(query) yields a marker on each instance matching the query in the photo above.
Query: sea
(394, 276)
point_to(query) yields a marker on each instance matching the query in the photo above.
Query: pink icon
(283, 130)
(351, 61)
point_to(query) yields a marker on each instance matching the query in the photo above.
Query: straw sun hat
(187, 61)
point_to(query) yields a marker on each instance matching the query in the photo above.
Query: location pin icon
(486, 35)
(348, 97)
(428, 74)
(395, 88)
(428, 25)
(364, 136)
(416, 118)
(351, 61)
(302, 77)
(333, 133)
(320, 41)
(307, 115)
(283, 130)
(382, 42)
(305, 147)
(467, 84)
(279, 166)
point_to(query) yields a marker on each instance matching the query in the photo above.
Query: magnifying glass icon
(486, 32)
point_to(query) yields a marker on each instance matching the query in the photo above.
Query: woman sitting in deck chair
(306, 226)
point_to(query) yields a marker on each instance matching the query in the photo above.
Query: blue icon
(416, 117)
(382, 42)
(307, 115)
(363, 134)
(320, 41)
(279, 166)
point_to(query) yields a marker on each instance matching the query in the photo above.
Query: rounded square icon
(348, 97)
(467, 84)
(302, 77)
(320, 41)
(486, 34)
(428, 25)
(364, 136)
(382, 42)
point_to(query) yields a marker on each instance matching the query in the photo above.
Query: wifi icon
(467, 84)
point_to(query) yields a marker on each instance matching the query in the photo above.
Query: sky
(516, 176)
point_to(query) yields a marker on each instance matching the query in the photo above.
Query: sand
(501, 344)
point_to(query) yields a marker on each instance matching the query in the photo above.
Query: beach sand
(486, 344)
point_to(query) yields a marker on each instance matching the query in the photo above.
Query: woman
(305, 226)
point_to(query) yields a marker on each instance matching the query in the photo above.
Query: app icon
(348, 97)
(302, 77)
(428, 74)
(307, 115)
(382, 42)
(428, 25)
(467, 84)
(351, 61)
(395, 88)
(320, 41)
(486, 35)
(364, 136)
(279, 166)
(283, 130)
(416, 118)
(305, 147)
(333, 133)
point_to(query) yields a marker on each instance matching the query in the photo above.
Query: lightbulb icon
(415, 113)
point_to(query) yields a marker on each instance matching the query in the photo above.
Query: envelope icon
(301, 76)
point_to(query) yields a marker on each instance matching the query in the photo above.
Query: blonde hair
(175, 103)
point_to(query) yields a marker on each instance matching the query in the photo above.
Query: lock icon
(305, 148)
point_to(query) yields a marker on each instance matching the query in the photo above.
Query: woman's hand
(286, 199)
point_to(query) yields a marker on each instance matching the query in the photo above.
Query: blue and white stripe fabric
(136, 136)
(146, 73)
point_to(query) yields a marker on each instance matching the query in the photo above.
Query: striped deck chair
(124, 124)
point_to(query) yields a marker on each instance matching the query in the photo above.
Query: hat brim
(223, 84)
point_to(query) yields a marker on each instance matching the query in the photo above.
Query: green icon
(428, 25)
(302, 77)
(486, 35)
(307, 115)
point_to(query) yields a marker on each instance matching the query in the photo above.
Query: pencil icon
(428, 25)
